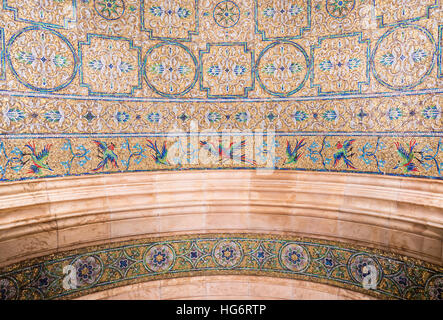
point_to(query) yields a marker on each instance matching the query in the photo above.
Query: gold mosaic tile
(99, 86)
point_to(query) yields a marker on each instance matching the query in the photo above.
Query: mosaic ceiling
(108, 86)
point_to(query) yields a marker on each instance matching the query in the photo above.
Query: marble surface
(390, 213)
(227, 288)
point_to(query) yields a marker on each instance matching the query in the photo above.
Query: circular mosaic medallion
(8, 289)
(361, 266)
(109, 9)
(88, 270)
(42, 59)
(282, 68)
(294, 257)
(227, 254)
(434, 287)
(170, 69)
(403, 57)
(339, 8)
(226, 14)
(159, 258)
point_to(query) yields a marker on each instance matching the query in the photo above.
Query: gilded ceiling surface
(91, 87)
(134, 85)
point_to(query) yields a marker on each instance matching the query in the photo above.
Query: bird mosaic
(344, 153)
(107, 154)
(159, 157)
(39, 160)
(407, 157)
(227, 153)
(294, 155)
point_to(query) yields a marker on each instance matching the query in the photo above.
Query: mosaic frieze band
(24, 115)
(30, 158)
(220, 49)
(76, 273)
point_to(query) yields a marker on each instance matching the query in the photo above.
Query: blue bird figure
(106, 153)
(227, 153)
(159, 157)
(294, 155)
(39, 160)
(344, 153)
(407, 157)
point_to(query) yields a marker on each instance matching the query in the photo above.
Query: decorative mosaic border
(53, 156)
(83, 271)
(415, 115)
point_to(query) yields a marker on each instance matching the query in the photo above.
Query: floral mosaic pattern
(294, 257)
(96, 87)
(403, 57)
(339, 8)
(394, 11)
(340, 64)
(170, 19)
(227, 70)
(282, 19)
(159, 258)
(98, 268)
(8, 289)
(379, 115)
(109, 9)
(282, 68)
(110, 66)
(258, 24)
(170, 69)
(42, 59)
(88, 269)
(227, 254)
(225, 21)
(226, 14)
(56, 13)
